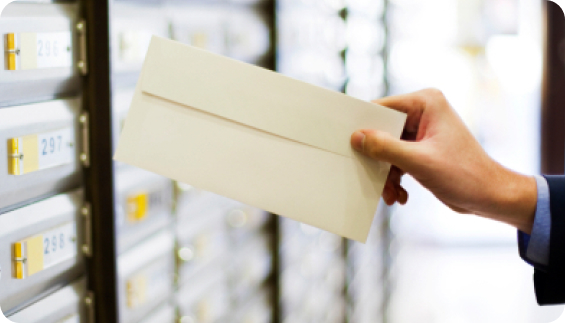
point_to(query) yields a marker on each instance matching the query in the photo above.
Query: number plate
(29, 51)
(45, 250)
(35, 152)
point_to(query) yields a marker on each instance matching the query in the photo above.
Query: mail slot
(132, 28)
(39, 51)
(40, 248)
(145, 276)
(66, 305)
(40, 144)
(143, 205)
(205, 298)
(201, 26)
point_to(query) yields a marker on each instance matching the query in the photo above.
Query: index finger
(413, 104)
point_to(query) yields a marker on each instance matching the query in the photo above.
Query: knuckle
(375, 145)
(435, 93)
(434, 98)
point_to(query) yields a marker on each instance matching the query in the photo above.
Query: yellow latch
(11, 51)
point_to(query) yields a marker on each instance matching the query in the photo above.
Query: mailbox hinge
(86, 212)
(89, 306)
(82, 62)
(84, 132)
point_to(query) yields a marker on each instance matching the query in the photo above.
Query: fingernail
(386, 194)
(358, 141)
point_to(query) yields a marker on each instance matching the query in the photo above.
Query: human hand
(440, 152)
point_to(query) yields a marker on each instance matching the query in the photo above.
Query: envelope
(257, 137)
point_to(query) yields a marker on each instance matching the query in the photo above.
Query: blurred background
(147, 249)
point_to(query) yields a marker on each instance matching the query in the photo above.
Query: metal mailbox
(42, 150)
(40, 50)
(145, 276)
(143, 205)
(66, 305)
(40, 248)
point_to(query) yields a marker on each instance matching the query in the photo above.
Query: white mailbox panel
(40, 145)
(63, 306)
(250, 266)
(121, 101)
(258, 309)
(40, 248)
(201, 26)
(248, 37)
(205, 298)
(145, 275)
(131, 30)
(143, 205)
(39, 51)
(164, 314)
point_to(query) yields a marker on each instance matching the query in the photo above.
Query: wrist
(514, 200)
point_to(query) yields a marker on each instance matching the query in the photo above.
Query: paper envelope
(257, 137)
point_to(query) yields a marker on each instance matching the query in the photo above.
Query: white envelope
(256, 136)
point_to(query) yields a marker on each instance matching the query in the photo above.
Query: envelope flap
(265, 100)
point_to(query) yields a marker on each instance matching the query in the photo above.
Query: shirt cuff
(534, 248)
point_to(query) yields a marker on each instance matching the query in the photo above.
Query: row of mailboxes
(43, 138)
(236, 31)
(44, 135)
(43, 43)
(312, 276)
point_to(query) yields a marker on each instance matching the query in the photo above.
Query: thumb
(382, 146)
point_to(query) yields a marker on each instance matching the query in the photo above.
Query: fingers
(393, 191)
(414, 105)
(411, 104)
(382, 146)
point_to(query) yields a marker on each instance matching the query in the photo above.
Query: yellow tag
(14, 157)
(23, 155)
(28, 257)
(137, 206)
(11, 42)
(136, 288)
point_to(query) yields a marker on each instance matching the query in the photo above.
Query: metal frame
(102, 266)
(553, 94)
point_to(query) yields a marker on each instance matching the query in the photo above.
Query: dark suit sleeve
(550, 283)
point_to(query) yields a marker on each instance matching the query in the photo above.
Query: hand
(440, 152)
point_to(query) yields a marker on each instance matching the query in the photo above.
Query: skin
(439, 151)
